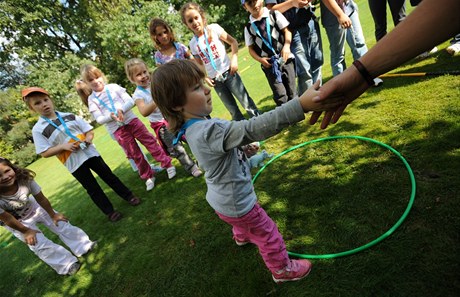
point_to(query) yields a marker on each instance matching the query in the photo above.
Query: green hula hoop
(381, 237)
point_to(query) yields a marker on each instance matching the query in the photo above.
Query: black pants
(379, 14)
(86, 178)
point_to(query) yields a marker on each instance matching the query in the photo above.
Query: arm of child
(57, 149)
(286, 5)
(286, 51)
(342, 18)
(145, 109)
(46, 205)
(29, 234)
(262, 60)
(89, 136)
(227, 38)
(208, 80)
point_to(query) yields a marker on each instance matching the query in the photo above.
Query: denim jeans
(337, 36)
(231, 85)
(307, 48)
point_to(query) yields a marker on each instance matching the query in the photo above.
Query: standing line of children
(137, 72)
(111, 105)
(207, 46)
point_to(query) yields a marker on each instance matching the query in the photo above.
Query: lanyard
(113, 110)
(66, 129)
(177, 50)
(268, 42)
(183, 128)
(143, 89)
(208, 52)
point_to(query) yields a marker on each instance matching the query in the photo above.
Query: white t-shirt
(46, 135)
(144, 94)
(216, 46)
(101, 111)
(21, 204)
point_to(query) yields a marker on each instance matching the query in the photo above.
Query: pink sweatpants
(258, 228)
(126, 136)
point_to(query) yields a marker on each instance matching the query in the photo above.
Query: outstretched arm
(431, 23)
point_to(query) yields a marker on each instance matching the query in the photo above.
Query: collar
(265, 14)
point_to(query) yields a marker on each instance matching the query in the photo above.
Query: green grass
(326, 197)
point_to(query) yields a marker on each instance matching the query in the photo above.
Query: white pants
(56, 256)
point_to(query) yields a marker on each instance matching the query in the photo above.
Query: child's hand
(344, 21)
(286, 52)
(30, 236)
(306, 100)
(70, 146)
(59, 217)
(209, 81)
(300, 3)
(265, 62)
(234, 65)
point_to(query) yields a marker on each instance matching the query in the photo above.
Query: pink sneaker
(298, 269)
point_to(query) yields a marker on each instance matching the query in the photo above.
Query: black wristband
(364, 73)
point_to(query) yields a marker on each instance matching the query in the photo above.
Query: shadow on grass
(325, 198)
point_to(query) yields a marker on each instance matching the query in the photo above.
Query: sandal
(115, 216)
(134, 201)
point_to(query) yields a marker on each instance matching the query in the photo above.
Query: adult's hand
(349, 85)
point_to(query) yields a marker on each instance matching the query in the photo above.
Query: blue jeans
(337, 36)
(308, 51)
(231, 85)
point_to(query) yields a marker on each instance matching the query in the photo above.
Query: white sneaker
(378, 82)
(196, 172)
(454, 49)
(427, 54)
(150, 183)
(171, 172)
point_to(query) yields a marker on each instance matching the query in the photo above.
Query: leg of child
(98, 165)
(126, 137)
(288, 75)
(56, 256)
(237, 88)
(178, 151)
(86, 178)
(336, 38)
(258, 228)
(75, 238)
(278, 89)
(141, 133)
(228, 100)
(355, 37)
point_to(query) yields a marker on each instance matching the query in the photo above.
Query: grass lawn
(326, 197)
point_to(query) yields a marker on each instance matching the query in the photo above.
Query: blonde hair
(83, 90)
(157, 22)
(89, 72)
(170, 91)
(195, 6)
(131, 65)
